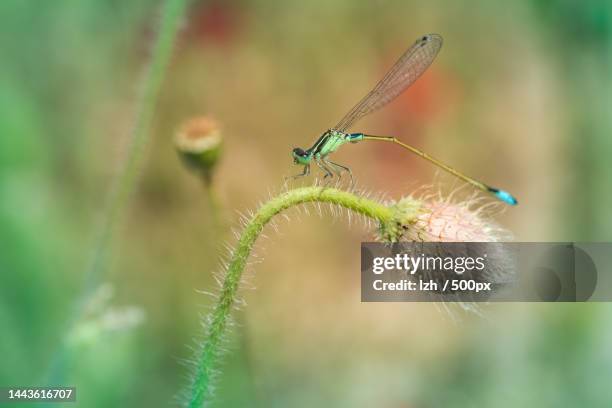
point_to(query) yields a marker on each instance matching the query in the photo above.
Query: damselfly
(404, 73)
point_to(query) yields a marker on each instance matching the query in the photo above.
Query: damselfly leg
(304, 173)
(339, 169)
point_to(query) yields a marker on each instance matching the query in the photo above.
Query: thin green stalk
(215, 211)
(389, 218)
(171, 16)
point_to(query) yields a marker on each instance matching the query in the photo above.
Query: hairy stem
(171, 15)
(217, 323)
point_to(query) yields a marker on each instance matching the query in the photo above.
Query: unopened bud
(199, 143)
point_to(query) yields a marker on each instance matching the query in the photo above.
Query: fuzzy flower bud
(439, 221)
(455, 222)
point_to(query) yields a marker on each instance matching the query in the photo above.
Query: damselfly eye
(298, 151)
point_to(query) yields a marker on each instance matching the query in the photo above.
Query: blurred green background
(519, 96)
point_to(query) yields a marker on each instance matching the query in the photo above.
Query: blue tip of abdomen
(505, 196)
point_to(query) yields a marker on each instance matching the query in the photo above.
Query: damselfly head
(300, 156)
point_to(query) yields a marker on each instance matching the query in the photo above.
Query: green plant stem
(171, 16)
(217, 324)
(215, 210)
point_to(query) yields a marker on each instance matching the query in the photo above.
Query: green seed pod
(199, 142)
